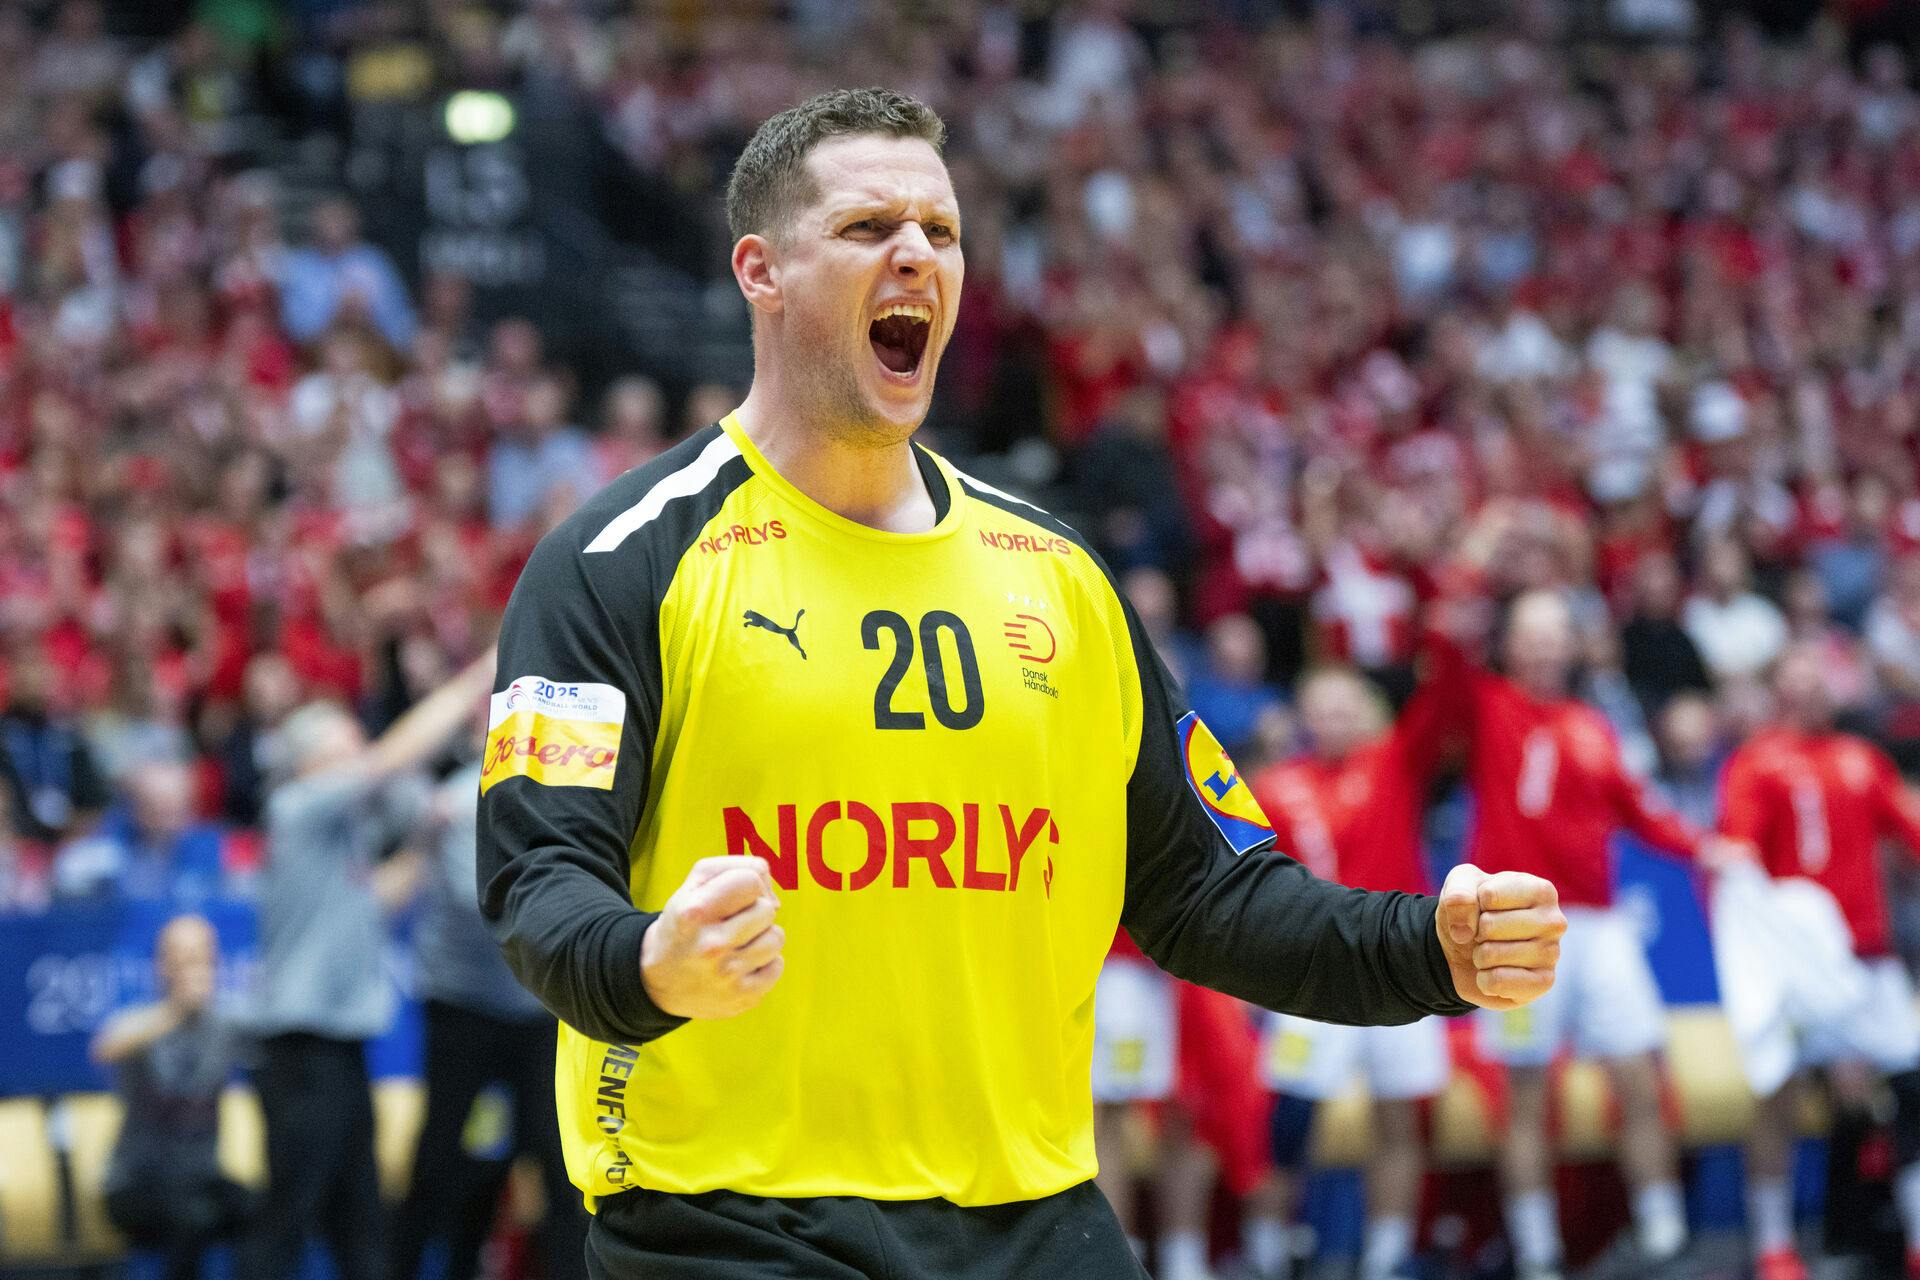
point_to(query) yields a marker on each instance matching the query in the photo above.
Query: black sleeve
(553, 860)
(1259, 925)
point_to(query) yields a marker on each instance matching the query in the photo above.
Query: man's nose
(912, 252)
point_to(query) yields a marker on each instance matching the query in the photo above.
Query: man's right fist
(715, 950)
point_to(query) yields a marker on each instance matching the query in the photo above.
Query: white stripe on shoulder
(684, 483)
(998, 493)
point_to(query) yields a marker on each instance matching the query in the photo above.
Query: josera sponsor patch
(557, 734)
(1224, 794)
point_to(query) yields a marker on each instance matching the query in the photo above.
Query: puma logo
(754, 618)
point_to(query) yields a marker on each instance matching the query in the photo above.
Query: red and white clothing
(1604, 1002)
(1136, 1037)
(1357, 820)
(1364, 607)
(1550, 788)
(1816, 805)
(1156, 1039)
(1318, 1060)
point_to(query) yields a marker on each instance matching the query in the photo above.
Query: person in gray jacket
(489, 1069)
(164, 1187)
(332, 876)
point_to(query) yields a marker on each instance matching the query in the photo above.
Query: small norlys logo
(1025, 542)
(742, 535)
(754, 618)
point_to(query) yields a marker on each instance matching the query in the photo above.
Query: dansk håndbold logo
(1031, 638)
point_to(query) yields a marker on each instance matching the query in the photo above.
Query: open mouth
(899, 336)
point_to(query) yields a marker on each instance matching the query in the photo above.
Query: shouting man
(950, 778)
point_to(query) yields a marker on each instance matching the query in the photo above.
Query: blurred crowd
(1307, 318)
(1299, 319)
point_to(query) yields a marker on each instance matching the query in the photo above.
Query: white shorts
(1604, 1002)
(1883, 1030)
(1135, 1033)
(1317, 1060)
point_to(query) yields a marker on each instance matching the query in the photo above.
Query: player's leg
(1135, 1043)
(1405, 1066)
(1526, 1176)
(1184, 1188)
(1270, 1244)
(1620, 1020)
(455, 1069)
(1524, 1041)
(1304, 1063)
(304, 1149)
(350, 1220)
(1849, 1223)
(1113, 1149)
(1220, 1091)
(1905, 1086)
(536, 1129)
(1770, 1145)
(1394, 1169)
(1647, 1157)
(1886, 1033)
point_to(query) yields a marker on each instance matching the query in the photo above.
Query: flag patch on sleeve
(557, 734)
(1222, 792)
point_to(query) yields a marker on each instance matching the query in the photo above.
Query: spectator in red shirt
(1816, 802)
(1549, 791)
(1350, 809)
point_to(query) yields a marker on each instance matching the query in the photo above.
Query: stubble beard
(835, 404)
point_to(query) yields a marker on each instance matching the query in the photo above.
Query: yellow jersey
(963, 766)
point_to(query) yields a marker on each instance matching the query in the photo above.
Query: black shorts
(719, 1235)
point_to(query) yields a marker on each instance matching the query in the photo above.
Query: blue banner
(63, 972)
(1663, 896)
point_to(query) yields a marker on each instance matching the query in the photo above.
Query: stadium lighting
(475, 116)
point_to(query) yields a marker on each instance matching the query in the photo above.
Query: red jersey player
(1817, 802)
(1350, 809)
(1549, 790)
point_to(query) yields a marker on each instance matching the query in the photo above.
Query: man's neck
(878, 487)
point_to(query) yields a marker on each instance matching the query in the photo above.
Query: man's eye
(939, 231)
(865, 227)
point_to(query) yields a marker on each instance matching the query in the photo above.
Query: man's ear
(757, 273)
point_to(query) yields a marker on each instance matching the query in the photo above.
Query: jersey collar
(948, 525)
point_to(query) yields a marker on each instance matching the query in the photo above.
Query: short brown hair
(770, 179)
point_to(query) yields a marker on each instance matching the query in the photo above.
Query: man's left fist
(1501, 934)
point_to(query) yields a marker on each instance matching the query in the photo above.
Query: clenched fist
(1501, 934)
(715, 950)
